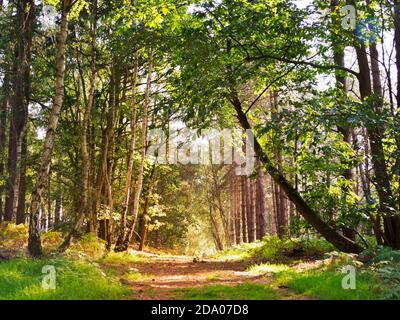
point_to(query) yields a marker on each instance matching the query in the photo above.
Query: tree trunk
(396, 20)
(339, 241)
(139, 182)
(58, 196)
(131, 156)
(85, 205)
(260, 198)
(382, 178)
(34, 242)
(143, 234)
(238, 237)
(3, 123)
(18, 125)
(243, 193)
(251, 211)
(232, 211)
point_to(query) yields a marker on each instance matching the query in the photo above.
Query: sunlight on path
(165, 276)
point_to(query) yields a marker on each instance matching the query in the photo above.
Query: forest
(200, 149)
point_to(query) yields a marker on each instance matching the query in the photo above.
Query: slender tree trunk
(237, 211)
(243, 192)
(18, 125)
(132, 144)
(396, 14)
(260, 196)
(338, 240)
(214, 228)
(86, 190)
(58, 196)
(139, 182)
(34, 242)
(3, 123)
(143, 234)
(382, 178)
(251, 211)
(21, 215)
(232, 211)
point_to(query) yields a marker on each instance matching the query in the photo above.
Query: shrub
(274, 248)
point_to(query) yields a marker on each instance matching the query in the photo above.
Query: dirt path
(161, 277)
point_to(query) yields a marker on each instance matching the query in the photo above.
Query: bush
(11, 231)
(273, 248)
(384, 263)
(89, 244)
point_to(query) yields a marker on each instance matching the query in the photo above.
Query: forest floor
(170, 277)
(271, 269)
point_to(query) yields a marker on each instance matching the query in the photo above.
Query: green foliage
(11, 231)
(120, 258)
(89, 245)
(241, 252)
(272, 248)
(327, 285)
(380, 254)
(22, 279)
(275, 249)
(384, 263)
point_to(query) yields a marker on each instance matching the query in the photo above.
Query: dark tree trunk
(139, 182)
(382, 178)
(339, 241)
(132, 144)
(260, 198)
(251, 211)
(18, 125)
(238, 237)
(243, 193)
(396, 14)
(21, 214)
(58, 201)
(3, 124)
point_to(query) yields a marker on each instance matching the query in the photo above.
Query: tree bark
(34, 242)
(3, 123)
(243, 193)
(58, 202)
(86, 190)
(260, 198)
(25, 18)
(382, 178)
(251, 211)
(131, 156)
(396, 20)
(238, 237)
(139, 182)
(339, 241)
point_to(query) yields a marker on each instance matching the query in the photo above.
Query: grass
(120, 258)
(246, 291)
(238, 252)
(21, 279)
(324, 283)
(273, 249)
(327, 285)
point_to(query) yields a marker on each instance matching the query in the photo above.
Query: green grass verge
(246, 291)
(21, 279)
(326, 284)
